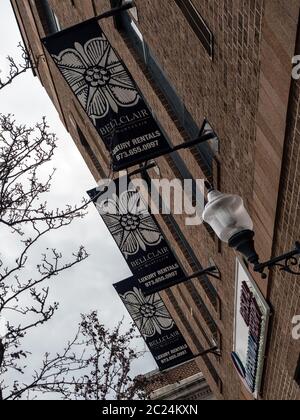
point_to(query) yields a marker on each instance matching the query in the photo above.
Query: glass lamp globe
(227, 215)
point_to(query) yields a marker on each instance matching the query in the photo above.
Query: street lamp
(228, 217)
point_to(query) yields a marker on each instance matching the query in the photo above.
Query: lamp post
(228, 217)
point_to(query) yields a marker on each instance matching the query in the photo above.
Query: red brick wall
(285, 289)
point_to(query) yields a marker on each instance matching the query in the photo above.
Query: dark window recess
(181, 172)
(178, 166)
(193, 261)
(203, 310)
(187, 304)
(117, 18)
(297, 373)
(48, 18)
(204, 153)
(189, 254)
(198, 24)
(194, 338)
(90, 153)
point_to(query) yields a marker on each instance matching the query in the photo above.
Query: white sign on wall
(252, 314)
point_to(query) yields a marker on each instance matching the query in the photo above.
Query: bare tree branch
(16, 69)
(23, 154)
(95, 365)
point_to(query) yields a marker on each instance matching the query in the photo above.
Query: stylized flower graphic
(130, 223)
(97, 77)
(149, 313)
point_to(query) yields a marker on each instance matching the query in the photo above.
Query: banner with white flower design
(107, 92)
(151, 316)
(138, 236)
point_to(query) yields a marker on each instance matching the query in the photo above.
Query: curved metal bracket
(289, 263)
(210, 271)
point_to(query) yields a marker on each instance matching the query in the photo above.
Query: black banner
(107, 92)
(152, 318)
(138, 237)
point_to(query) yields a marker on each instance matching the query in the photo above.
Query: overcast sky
(89, 285)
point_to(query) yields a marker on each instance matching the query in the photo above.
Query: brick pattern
(285, 289)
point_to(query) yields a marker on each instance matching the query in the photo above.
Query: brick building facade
(228, 62)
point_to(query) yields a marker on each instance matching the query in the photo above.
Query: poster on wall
(108, 94)
(251, 323)
(138, 237)
(152, 318)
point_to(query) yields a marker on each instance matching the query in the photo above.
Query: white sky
(89, 285)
